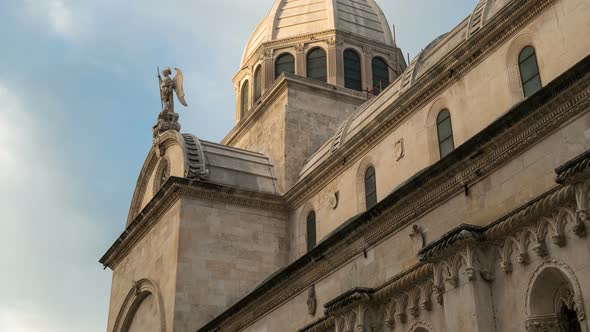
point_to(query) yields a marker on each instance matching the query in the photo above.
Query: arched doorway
(554, 301)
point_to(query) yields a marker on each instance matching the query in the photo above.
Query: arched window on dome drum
(352, 70)
(380, 75)
(529, 71)
(244, 99)
(317, 68)
(257, 83)
(370, 188)
(311, 231)
(445, 133)
(285, 64)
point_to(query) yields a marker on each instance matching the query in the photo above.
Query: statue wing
(178, 86)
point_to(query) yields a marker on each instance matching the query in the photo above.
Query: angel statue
(167, 88)
(168, 119)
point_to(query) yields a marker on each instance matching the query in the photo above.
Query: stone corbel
(582, 191)
(311, 301)
(401, 303)
(426, 296)
(417, 237)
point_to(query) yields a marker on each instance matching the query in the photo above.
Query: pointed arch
(552, 293)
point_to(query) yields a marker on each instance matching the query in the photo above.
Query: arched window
(285, 64)
(244, 103)
(257, 83)
(445, 133)
(311, 231)
(370, 188)
(380, 75)
(316, 65)
(529, 71)
(162, 175)
(352, 70)
(553, 297)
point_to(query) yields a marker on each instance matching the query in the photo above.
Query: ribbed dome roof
(290, 18)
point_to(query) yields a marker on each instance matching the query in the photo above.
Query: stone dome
(290, 18)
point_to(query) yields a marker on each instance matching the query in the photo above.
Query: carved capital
(439, 291)
(426, 305)
(300, 47)
(558, 240)
(580, 227)
(470, 273)
(331, 42)
(402, 317)
(506, 266)
(368, 51)
(541, 249)
(542, 324)
(523, 259)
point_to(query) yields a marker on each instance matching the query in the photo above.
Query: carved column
(339, 48)
(267, 69)
(332, 61)
(368, 54)
(300, 68)
(238, 102)
(468, 302)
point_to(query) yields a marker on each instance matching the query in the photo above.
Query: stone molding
(411, 292)
(570, 275)
(173, 190)
(537, 118)
(274, 91)
(321, 325)
(330, 37)
(139, 291)
(470, 53)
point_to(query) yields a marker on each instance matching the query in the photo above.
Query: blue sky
(78, 97)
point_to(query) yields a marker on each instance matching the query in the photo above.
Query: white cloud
(24, 320)
(13, 125)
(60, 18)
(45, 221)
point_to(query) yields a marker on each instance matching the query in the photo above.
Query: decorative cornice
(174, 189)
(456, 237)
(274, 91)
(347, 299)
(321, 325)
(523, 126)
(404, 281)
(577, 170)
(462, 60)
(327, 36)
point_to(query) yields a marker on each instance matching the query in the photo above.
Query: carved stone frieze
(542, 324)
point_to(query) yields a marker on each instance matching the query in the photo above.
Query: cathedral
(360, 192)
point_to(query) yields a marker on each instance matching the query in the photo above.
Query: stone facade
(491, 237)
